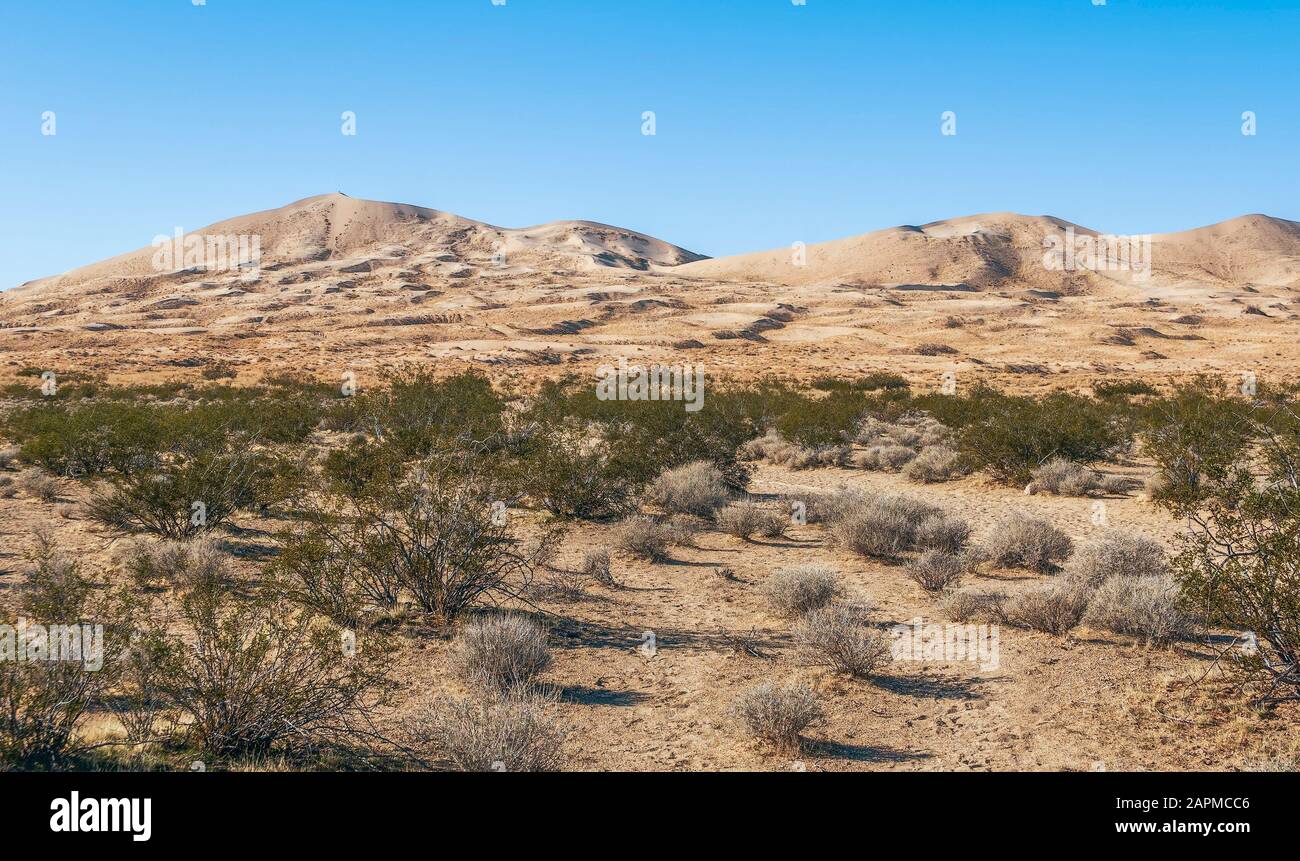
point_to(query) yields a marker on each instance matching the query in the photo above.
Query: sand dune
(361, 283)
(1004, 250)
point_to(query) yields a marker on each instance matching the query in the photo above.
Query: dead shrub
(502, 654)
(942, 531)
(935, 464)
(839, 637)
(1117, 554)
(801, 589)
(183, 565)
(779, 714)
(1054, 608)
(644, 537)
(937, 571)
(969, 605)
(493, 734)
(596, 566)
(747, 518)
(887, 457)
(1062, 477)
(38, 484)
(1143, 606)
(1025, 541)
(883, 525)
(695, 488)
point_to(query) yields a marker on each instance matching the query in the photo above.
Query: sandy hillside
(354, 285)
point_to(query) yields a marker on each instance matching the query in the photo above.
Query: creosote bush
(801, 589)
(1025, 541)
(43, 703)
(182, 498)
(256, 677)
(779, 714)
(440, 535)
(502, 654)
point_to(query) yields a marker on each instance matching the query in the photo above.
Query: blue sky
(775, 122)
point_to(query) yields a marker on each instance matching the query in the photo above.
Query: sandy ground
(1089, 701)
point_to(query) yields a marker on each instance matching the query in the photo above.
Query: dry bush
(1062, 477)
(38, 484)
(502, 654)
(8, 456)
(596, 566)
(1144, 606)
(934, 464)
(685, 529)
(886, 457)
(695, 488)
(774, 448)
(8, 490)
(883, 525)
(944, 532)
(1055, 608)
(494, 734)
(644, 537)
(1025, 541)
(969, 605)
(838, 636)
(778, 714)
(747, 518)
(561, 584)
(801, 589)
(1117, 554)
(195, 564)
(937, 571)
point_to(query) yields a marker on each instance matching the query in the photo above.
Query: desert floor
(1089, 701)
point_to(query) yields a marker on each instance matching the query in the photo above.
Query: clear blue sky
(776, 122)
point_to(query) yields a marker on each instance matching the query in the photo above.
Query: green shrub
(260, 676)
(181, 498)
(1014, 435)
